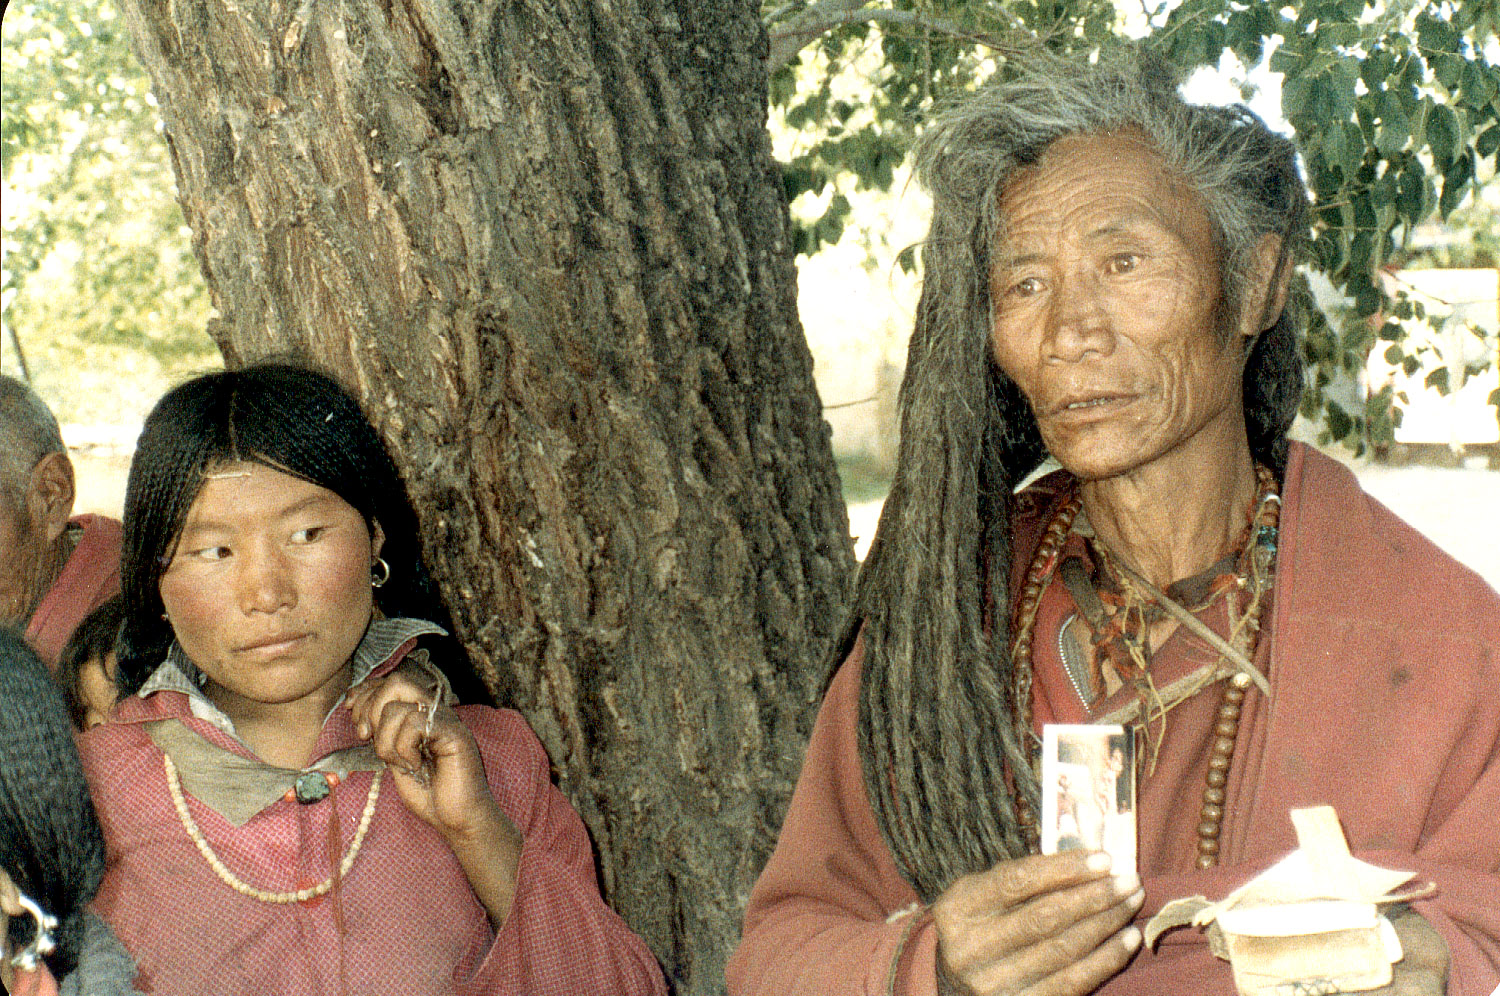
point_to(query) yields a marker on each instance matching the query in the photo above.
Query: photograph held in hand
(1088, 791)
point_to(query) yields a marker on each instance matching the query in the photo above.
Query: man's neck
(1175, 516)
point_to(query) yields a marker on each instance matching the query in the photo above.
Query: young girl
(286, 811)
(51, 850)
(86, 666)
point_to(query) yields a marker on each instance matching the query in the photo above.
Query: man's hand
(1045, 925)
(1423, 968)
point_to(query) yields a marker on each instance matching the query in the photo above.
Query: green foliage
(1395, 106)
(97, 264)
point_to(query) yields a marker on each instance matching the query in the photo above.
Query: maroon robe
(1384, 660)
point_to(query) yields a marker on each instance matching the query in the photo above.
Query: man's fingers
(1044, 936)
(1011, 883)
(1087, 975)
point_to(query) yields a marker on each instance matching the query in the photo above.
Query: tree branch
(796, 33)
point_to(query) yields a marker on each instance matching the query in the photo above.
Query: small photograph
(1088, 791)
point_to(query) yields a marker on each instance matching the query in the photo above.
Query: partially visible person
(51, 848)
(285, 809)
(54, 568)
(86, 667)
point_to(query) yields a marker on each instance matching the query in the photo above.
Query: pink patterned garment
(404, 920)
(89, 579)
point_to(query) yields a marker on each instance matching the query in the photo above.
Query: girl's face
(268, 588)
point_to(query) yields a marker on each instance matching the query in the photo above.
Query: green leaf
(1376, 68)
(1448, 68)
(1442, 134)
(1436, 35)
(1488, 142)
(1339, 422)
(1395, 126)
(1438, 378)
(1478, 85)
(1455, 183)
(1413, 194)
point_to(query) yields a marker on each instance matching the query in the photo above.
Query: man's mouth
(1090, 402)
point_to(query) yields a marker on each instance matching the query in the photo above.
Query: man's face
(1105, 292)
(22, 547)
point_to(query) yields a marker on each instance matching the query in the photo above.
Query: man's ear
(1270, 280)
(51, 494)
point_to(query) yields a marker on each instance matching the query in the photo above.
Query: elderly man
(1105, 281)
(53, 569)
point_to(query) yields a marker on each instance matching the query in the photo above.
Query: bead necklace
(1258, 561)
(230, 879)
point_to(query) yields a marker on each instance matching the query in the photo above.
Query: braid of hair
(937, 737)
(50, 841)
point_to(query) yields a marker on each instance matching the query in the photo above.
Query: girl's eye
(1123, 262)
(210, 553)
(308, 535)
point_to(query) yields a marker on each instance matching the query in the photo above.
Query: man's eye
(1123, 262)
(308, 535)
(1026, 287)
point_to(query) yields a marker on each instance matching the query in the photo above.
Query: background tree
(1395, 105)
(99, 284)
(545, 241)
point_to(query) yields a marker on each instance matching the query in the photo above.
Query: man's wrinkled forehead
(1103, 185)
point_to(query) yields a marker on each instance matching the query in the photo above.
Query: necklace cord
(1258, 555)
(179, 802)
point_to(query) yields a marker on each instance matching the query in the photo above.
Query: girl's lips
(273, 645)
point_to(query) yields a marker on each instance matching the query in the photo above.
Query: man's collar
(383, 637)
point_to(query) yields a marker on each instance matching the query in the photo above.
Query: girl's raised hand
(439, 774)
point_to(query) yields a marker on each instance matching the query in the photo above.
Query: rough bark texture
(544, 240)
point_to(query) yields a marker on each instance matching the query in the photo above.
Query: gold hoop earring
(380, 576)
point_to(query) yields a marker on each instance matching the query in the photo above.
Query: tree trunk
(544, 240)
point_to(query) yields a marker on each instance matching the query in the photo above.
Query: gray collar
(382, 638)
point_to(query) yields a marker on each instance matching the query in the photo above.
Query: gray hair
(939, 736)
(28, 432)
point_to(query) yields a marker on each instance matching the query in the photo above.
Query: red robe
(1384, 659)
(89, 579)
(405, 921)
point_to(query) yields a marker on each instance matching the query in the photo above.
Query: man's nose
(265, 580)
(1077, 321)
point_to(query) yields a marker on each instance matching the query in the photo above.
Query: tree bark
(545, 242)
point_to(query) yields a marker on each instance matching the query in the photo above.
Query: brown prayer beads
(1227, 724)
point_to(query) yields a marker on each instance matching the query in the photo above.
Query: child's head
(51, 847)
(86, 668)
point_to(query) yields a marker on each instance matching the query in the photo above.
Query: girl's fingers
(398, 735)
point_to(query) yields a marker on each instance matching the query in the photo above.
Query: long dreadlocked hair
(938, 739)
(292, 419)
(50, 842)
